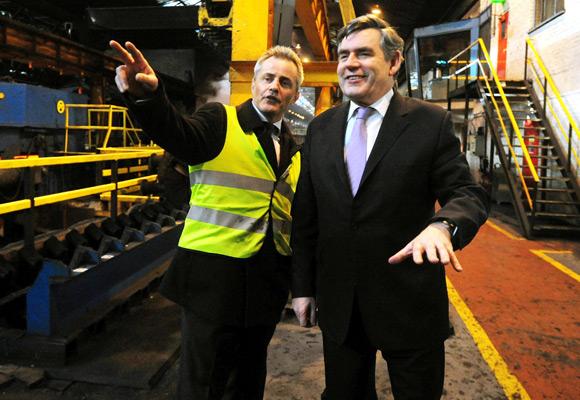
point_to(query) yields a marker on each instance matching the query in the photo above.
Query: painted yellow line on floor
(501, 230)
(509, 382)
(543, 255)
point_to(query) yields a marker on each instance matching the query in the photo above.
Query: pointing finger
(137, 55)
(455, 262)
(124, 54)
(401, 254)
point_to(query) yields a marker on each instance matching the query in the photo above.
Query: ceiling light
(376, 10)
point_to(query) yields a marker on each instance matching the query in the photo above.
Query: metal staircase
(552, 202)
(538, 170)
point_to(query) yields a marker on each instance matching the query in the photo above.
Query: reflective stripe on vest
(229, 220)
(226, 179)
(234, 195)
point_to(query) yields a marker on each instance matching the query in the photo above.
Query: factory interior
(91, 209)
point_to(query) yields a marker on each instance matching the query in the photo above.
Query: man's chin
(354, 95)
(269, 108)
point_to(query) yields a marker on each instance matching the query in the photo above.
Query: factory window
(548, 9)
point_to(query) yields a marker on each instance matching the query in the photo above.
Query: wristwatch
(450, 225)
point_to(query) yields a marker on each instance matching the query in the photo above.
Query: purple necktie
(356, 151)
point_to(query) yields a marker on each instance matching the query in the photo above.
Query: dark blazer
(224, 290)
(341, 244)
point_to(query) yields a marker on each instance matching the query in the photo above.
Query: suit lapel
(337, 127)
(394, 123)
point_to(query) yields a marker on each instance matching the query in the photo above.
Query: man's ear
(296, 96)
(396, 62)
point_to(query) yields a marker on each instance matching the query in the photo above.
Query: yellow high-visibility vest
(234, 195)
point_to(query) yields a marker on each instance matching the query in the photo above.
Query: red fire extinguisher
(532, 141)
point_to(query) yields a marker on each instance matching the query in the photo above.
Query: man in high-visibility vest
(231, 271)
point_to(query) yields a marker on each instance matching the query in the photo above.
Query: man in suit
(368, 245)
(231, 273)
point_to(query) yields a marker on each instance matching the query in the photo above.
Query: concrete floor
(516, 333)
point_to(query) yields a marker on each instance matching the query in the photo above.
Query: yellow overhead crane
(252, 27)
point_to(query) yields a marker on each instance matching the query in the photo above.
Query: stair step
(559, 202)
(508, 95)
(550, 178)
(552, 190)
(544, 157)
(535, 136)
(544, 227)
(531, 119)
(554, 214)
(529, 110)
(532, 146)
(540, 128)
(553, 166)
(523, 129)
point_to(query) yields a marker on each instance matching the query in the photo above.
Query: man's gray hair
(285, 53)
(390, 39)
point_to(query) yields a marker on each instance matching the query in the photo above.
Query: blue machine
(23, 105)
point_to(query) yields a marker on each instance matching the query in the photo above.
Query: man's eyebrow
(355, 50)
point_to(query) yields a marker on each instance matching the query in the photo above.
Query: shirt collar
(381, 105)
(277, 124)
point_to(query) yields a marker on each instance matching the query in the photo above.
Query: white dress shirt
(275, 138)
(373, 122)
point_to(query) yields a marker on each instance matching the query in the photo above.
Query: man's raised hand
(135, 76)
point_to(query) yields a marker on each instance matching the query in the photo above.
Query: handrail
(32, 201)
(508, 109)
(511, 149)
(556, 117)
(553, 87)
(109, 110)
(19, 205)
(510, 113)
(64, 160)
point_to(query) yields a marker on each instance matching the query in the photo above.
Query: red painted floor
(528, 308)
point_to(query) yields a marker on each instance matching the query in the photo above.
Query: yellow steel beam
(252, 27)
(317, 74)
(65, 160)
(347, 11)
(312, 16)
(324, 101)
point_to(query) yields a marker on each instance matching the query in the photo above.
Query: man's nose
(274, 86)
(351, 61)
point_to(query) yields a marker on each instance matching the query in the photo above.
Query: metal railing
(467, 72)
(544, 82)
(105, 118)
(32, 201)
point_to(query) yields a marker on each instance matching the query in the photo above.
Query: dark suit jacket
(341, 244)
(224, 290)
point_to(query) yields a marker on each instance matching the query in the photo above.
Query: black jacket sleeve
(192, 139)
